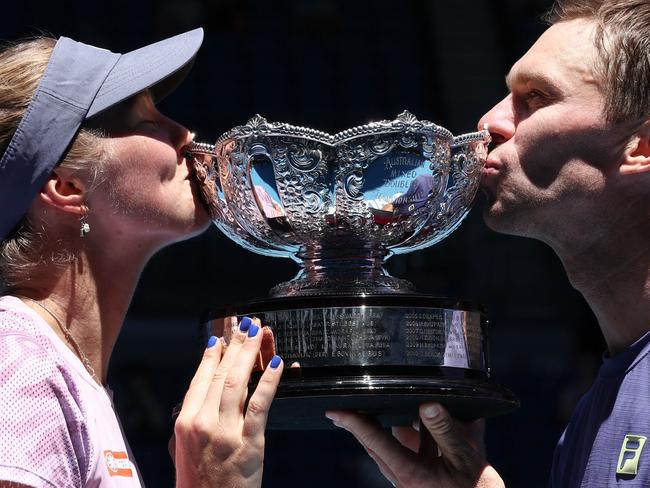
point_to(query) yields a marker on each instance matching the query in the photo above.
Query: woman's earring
(84, 227)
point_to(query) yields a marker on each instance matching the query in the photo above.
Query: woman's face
(146, 189)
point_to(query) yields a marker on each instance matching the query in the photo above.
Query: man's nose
(500, 121)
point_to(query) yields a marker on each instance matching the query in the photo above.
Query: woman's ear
(65, 192)
(637, 154)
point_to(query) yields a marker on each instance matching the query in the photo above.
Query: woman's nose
(500, 121)
(180, 135)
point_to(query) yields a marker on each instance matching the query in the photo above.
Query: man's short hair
(623, 43)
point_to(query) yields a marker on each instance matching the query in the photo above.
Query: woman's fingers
(237, 338)
(260, 402)
(213, 445)
(196, 393)
(236, 382)
(268, 347)
(212, 397)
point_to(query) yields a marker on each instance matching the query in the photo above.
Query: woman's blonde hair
(22, 65)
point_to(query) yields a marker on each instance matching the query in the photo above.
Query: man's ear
(65, 192)
(637, 154)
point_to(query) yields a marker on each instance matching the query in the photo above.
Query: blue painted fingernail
(252, 332)
(212, 341)
(245, 324)
(275, 361)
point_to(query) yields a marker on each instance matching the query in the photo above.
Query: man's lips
(491, 167)
(489, 178)
(492, 163)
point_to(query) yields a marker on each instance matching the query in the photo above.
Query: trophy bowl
(340, 205)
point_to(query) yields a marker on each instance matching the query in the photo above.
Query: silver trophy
(340, 205)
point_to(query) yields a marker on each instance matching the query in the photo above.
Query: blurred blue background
(332, 64)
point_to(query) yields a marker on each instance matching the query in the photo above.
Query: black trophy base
(383, 355)
(391, 394)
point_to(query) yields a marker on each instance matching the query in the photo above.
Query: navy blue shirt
(604, 442)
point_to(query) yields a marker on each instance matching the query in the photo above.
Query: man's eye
(533, 95)
(531, 100)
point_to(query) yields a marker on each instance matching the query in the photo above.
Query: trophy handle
(204, 163)
(203, 159)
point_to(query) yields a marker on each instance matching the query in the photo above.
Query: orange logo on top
(118, 463)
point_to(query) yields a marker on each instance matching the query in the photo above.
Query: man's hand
(219, 439)
(447, 458)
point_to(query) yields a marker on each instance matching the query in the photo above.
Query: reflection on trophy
(340, 205)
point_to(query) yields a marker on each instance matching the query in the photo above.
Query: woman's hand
(219, 439)
(411, 459)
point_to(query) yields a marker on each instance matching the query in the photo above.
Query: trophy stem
(338, 270)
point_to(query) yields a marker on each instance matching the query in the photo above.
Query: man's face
(552, 147)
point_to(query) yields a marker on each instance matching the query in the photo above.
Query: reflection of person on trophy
(416, 196)
(456, 331)
(405, 204)
(269, 207)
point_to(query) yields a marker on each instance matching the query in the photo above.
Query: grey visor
(80, 81)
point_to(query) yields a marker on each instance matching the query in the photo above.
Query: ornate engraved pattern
(301, 175)
(466, 165)
(205, 170)
(323, 183)
(341, 285)
(258, 125)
